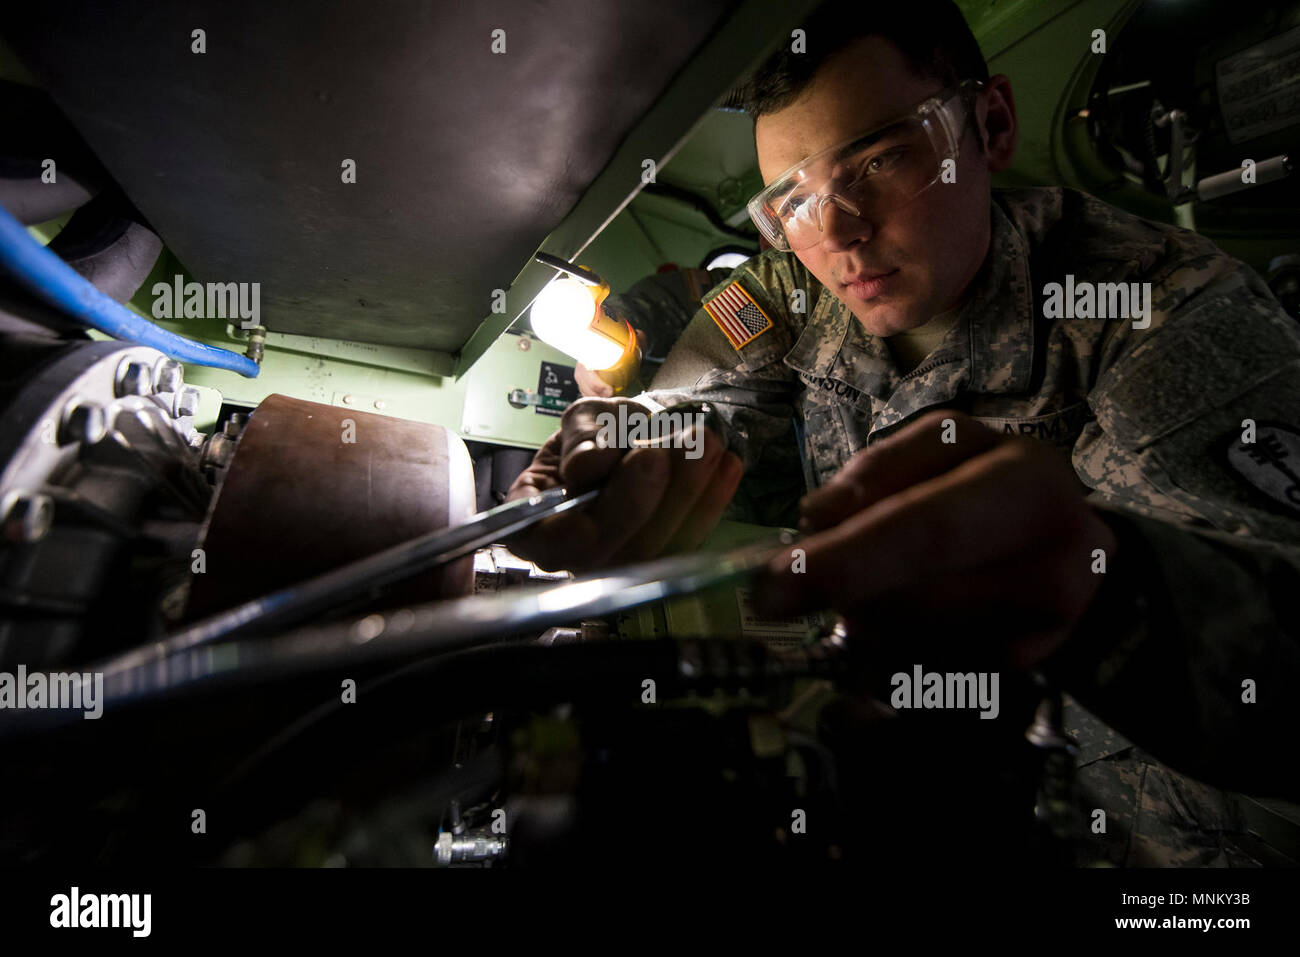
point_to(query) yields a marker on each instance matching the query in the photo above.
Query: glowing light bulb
(565, 315)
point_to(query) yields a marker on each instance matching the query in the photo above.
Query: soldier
(1106, 492)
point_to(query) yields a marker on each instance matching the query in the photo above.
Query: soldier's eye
(885, 162)
(793, 202)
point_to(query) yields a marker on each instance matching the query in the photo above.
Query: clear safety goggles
(873, 172)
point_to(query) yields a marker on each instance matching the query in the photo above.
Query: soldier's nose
(841, 229)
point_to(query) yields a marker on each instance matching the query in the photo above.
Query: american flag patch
(738, 315)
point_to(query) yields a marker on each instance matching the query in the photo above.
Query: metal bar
(434, 628)
(296, 603)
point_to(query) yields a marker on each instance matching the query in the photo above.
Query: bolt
(380, 403)
(134, 378)
(525, 343)
(235, 424)
(187, 403)
(169, 376)
(256, 344)
(29, 518)
(83, 422)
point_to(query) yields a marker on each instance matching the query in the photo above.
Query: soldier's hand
(654, 500)
(591, 384)
(915, 536)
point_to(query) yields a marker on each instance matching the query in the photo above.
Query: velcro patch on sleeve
(1270, 463)
(739, 317)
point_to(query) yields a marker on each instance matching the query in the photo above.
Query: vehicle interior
(312, 655)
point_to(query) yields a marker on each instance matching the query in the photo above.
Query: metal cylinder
(1225, 184)
(314, 486)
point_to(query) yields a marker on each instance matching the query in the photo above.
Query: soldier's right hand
(655, 501)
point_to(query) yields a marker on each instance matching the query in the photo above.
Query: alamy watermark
(933, 689)
(75, 909)
(632, 427)
(1098, 300)
(214, 300)
(57, 689)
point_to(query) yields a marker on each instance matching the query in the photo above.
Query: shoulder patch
(736, 313)
(1270, 464)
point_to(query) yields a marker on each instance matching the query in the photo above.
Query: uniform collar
(988, 349)
(1000, 317)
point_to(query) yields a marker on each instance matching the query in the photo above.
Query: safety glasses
(871, 173)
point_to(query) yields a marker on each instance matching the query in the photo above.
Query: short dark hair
(932, 35)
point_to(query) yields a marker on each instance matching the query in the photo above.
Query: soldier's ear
(998, 127)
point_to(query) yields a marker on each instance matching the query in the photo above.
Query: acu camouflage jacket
(1206, 594)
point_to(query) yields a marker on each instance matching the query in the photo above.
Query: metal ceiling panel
(465, 158)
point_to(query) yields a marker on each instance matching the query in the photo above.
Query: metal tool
(297, 603)
(434, 628)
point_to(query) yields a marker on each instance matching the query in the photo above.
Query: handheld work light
(569, 315)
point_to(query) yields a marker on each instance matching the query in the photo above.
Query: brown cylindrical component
(313, 486)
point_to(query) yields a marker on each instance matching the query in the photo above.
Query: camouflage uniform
(1204, 592)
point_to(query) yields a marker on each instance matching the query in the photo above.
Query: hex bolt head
(235, 424)
(134, 378)
(29, 518)
(83, 423)
(169, 376)
(187, 403)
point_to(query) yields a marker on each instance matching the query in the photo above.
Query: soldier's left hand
(589, 383)
(985, 535)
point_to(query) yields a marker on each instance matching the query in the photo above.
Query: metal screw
(83, 422)
(235, 424)
(187, 403)
(29, 518)
(256, 344)
(349, 399)
(169, 377)
(380, 403)
(134, 378)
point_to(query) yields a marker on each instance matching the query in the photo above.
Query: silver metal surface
(187, 403)
(90, 374)
(299, 602)
(473, 847)
(83, 422)
(98, 476)
(134, 378)
(168, 376)
(427, 629)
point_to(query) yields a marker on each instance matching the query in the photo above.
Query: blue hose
(58, 284)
